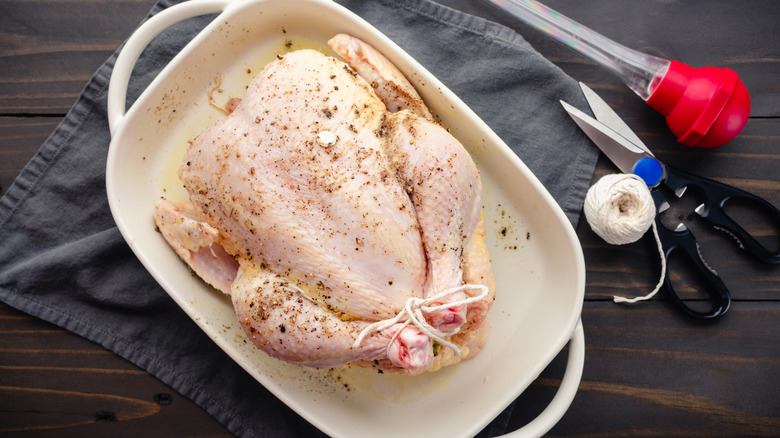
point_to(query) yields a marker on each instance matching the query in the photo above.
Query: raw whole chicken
(344, 223)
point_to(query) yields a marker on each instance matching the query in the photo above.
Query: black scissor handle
(685, 244)
(717, 196)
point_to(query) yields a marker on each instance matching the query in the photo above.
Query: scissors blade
(609, 117)
(617, 148)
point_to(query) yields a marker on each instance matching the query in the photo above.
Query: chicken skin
(343, 222)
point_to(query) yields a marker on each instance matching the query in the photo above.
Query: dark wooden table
(649, 370)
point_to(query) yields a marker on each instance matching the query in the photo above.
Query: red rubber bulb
(704, 107)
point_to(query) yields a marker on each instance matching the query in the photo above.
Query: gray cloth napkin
(62, 258)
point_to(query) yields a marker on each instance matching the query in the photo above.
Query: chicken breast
(344, 232)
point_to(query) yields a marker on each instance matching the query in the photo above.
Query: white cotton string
(620, 209)
(414, 313)
(618, 299)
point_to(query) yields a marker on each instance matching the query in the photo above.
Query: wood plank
(40, 39)
(57, 384)
(652, 372)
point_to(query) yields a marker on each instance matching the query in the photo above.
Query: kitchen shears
(621, 145)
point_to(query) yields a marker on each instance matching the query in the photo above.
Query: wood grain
(49, 49)
(56, 384)
(649, 371)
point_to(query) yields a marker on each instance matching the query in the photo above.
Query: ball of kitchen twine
(619, 208)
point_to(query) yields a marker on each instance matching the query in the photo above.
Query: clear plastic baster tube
(639, 71)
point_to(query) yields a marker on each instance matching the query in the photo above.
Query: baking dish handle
(565, 395)
(123, 68)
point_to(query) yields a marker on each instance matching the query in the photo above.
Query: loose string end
(618, 299)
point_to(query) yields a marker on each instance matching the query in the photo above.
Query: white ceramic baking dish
(537, 259)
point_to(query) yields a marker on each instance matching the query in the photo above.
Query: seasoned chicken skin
(324, 215)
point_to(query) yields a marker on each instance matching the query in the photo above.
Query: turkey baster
(704, 107)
